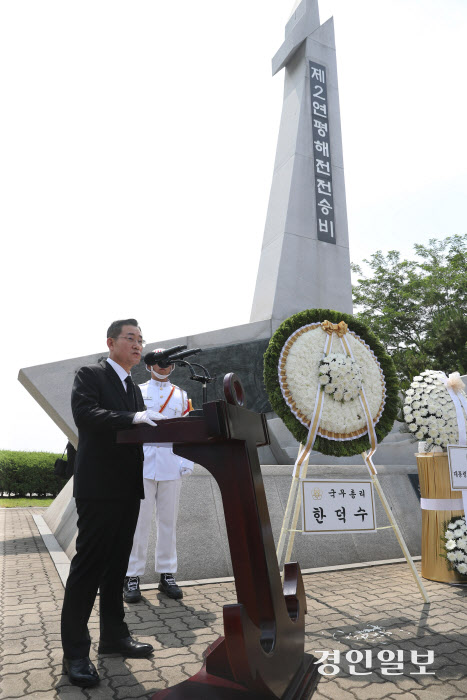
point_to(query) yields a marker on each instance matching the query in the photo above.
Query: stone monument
(304, 264)
(305, 259)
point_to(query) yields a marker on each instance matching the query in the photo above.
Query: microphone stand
(204, 378)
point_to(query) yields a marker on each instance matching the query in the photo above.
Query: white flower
(450, 544)
(458, 532)
(462, 568)
(451, 556)
(324, 379)
(413, 427)
(429, 404)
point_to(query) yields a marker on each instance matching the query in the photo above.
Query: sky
(137, 144)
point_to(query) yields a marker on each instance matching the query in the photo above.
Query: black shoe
(168, 586)
(81, 672)
(126, 647)
(131, 591)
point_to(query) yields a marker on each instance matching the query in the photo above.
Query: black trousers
(103, 546)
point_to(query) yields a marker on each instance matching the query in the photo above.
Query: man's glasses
(132, 339)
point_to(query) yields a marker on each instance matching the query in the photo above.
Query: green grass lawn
(25, 502)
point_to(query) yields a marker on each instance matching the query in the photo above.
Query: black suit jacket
(101, 407)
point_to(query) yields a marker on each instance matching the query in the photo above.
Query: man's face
(127, 348)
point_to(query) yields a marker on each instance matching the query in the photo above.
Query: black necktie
(130, 390)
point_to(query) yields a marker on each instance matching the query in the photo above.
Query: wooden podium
(261, 654)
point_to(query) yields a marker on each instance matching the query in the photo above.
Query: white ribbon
(441, 503)
(459, 402)
(367, 456)
(315, 418)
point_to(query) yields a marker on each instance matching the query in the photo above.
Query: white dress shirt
(122, 373)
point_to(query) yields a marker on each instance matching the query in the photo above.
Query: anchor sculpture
(261, 654)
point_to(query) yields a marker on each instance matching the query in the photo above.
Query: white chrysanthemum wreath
(332, 383)
(430, 411)
(303, 366)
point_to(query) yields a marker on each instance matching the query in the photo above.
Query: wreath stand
(289, 529)
(261, 654)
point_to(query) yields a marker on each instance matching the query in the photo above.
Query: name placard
(324, 194)
(457, 458)
(330, 506)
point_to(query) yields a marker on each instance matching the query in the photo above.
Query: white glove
(185, 471)
(147, 416)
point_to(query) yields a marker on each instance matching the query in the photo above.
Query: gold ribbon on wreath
(339, 328)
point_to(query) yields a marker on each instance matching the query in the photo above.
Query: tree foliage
(418, 308)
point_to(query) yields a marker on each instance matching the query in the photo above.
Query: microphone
(185, 353)
(160, 358)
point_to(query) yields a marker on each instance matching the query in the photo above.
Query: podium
(261, 654)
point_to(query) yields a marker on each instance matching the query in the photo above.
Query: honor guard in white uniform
(162, 480)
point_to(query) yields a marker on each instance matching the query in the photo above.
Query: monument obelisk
(305, 259)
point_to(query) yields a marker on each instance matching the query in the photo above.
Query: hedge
(27, 473)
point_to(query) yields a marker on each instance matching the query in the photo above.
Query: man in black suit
(108, 486)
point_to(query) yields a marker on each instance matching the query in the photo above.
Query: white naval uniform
(162, 481)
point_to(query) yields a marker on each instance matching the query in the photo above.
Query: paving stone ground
(371, 621)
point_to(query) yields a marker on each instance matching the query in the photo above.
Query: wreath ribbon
(441, 504)
(339, 328)
(316, 417)
(452, 385)
(367, 456)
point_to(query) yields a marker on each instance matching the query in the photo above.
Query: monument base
(205, 686)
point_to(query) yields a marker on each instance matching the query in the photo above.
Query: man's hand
(147, 416)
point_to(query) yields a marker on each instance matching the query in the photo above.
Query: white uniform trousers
(165, 496)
